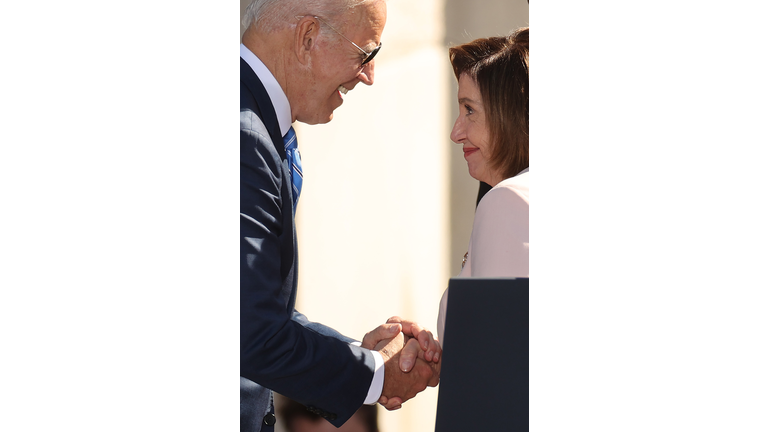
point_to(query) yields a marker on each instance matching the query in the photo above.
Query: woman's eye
(469, 109)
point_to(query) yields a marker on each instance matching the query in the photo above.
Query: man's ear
(305, 38)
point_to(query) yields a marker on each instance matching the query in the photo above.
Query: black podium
(484, 376)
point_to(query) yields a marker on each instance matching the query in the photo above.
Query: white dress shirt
(283, 110)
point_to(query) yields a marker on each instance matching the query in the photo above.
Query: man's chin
(318, 119)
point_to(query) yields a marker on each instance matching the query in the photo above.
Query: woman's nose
(457, 133)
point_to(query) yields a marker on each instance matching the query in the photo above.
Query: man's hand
(415, 351)
(380, 333)
(424, 345)
(401, 386)
(430, 347)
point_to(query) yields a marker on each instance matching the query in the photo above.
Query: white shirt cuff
(377, 384)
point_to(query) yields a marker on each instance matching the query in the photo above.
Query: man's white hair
(270, 15)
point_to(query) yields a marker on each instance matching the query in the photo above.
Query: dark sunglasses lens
(372, 55)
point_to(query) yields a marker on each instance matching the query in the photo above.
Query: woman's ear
(305, 38)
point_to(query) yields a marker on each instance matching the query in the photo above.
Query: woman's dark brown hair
(499, 66)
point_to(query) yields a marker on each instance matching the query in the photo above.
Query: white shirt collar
(275, 92)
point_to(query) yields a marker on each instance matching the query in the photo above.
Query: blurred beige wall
(387, 205)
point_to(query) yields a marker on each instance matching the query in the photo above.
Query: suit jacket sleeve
(280, 349)
(320, 328)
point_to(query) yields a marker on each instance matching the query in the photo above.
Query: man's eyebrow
(369, 47)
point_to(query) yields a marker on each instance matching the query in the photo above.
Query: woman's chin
(474, 175)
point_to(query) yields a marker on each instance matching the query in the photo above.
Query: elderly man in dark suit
(298, 60)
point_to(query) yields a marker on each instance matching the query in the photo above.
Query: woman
(492, 127)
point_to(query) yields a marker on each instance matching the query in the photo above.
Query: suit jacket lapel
(264, 108)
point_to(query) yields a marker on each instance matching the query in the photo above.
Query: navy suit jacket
(280, 349)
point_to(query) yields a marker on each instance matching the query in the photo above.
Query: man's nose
(366, 73)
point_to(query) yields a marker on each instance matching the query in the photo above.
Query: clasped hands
(411, 359)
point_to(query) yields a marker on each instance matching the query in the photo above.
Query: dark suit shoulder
(254, 98)
(261, 167)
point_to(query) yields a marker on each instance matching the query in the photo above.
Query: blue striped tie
(294, 163)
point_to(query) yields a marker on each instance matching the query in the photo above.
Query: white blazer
(498, 246)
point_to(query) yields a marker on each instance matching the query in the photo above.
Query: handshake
(411, 359)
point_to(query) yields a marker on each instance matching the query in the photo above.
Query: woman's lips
(469, 151)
